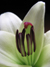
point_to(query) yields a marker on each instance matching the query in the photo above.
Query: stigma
(26, 24)
(30, 40)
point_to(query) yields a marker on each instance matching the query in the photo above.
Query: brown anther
(17, 41)
(20, 42)
(23, 35)
(33, 37)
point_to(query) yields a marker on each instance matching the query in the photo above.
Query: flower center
(25, 41)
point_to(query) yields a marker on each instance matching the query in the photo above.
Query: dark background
(20, 8)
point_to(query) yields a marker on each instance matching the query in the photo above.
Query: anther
(33, 37)
(20, 42)
(17, 41)
(23, 36)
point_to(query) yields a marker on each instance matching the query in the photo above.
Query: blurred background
(20, 8)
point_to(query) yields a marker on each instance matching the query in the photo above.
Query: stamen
(17, 41)
(20, 42)
(33, 37)
(23, 35)
(30, 38)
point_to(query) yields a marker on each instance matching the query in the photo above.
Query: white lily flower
(30, 47)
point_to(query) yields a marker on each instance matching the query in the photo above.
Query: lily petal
(47, 38)
(8, 64)
(5, 62)
(44, 58)
(36, 17)
(8, 50)
(46, 65)
(9, 22)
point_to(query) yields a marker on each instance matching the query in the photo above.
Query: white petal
(36, 17)
(8, 49)
(44, 58)
(0, 22)
(46, 65)
(9, 22)
(9, 64)
(47, 38)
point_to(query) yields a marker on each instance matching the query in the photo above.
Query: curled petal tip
(41, 2)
